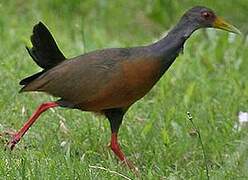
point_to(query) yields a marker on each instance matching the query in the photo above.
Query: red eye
(206, 15)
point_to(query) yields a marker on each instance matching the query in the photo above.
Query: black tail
(44, 52)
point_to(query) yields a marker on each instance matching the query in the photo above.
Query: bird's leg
(17, 136)
(115, 147)
(115, 117)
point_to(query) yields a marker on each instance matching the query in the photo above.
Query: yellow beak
(222, 24)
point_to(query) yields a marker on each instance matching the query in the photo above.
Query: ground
(209, 80)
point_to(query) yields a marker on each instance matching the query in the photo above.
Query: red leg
(115, 117)
(118, 152)
(42, 108)
(116, 148)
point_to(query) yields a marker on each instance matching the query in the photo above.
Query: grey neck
(167, 49)
(176, 38)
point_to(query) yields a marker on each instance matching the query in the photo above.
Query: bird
(107, 81)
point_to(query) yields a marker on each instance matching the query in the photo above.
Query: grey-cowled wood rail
(107, 81)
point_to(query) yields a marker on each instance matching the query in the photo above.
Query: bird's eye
(206, 15)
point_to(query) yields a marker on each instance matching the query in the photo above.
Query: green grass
(209, 80)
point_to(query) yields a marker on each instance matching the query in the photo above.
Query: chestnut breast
(133, 80)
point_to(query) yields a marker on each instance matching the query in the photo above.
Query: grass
(209, 80)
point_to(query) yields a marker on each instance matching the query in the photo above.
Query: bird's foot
(127, 163)
(8, 132)
(15, 138)
(131, 166)
(121, 156)
(11, 144)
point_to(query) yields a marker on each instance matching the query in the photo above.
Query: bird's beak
(222, 24)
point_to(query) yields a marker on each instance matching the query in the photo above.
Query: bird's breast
(140, 76)
(133, 80)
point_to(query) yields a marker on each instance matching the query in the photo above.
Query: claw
(11, 144)
(14, 139)
(5, 135)
(9, 132)
(131, 166)
(118, 152)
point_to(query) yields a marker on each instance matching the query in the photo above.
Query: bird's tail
(44, 52)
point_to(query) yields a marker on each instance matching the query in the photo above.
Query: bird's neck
(169, 47)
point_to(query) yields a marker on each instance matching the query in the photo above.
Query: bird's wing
(82, 77)
(101, 80)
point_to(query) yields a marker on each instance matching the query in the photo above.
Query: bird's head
(203, 17)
